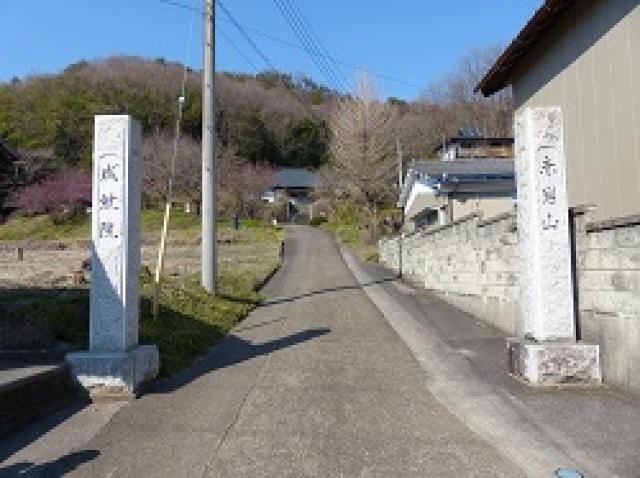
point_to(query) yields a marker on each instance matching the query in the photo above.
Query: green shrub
(317, 221)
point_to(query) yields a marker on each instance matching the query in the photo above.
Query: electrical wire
(262, 55)
(319, 50)
(237, 49)
(353, 66)
(306, 42)
(324, 52)
(289, 44)
(246, 36)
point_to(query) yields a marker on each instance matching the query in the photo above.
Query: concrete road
(314, 383)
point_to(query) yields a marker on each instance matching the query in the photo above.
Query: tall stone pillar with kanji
(115, 361)
(546, 352)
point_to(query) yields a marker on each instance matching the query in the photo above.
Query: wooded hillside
(269, 117)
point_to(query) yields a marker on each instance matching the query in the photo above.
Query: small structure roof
(295, 178)
(476, 167)
(474, 139)
(500, 74)
(488, 174)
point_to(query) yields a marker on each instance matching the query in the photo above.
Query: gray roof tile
(468, 167)
(295, 178)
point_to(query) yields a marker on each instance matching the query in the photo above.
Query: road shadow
(258, 325)
(329, 290)
(19, 440)
(239, 300)
(51, 469)
(232, 350)
(180, 338)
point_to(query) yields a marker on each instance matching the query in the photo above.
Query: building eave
(500, 75)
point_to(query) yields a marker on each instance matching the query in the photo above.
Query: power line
(307, 43)
(260, 53)
(237, 49)
(218, 28)
(353, 66)
(323, 52)
(246, 36)
(289, 44)
(393, 79)
(182, 6)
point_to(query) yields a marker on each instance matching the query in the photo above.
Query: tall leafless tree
(363, 161)
(157, 150)
(241, 185)
(462, 106)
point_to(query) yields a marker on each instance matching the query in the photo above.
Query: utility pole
(209, 245)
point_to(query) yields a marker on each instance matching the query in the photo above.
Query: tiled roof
(295, 178)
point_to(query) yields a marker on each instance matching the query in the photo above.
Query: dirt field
(58, 263)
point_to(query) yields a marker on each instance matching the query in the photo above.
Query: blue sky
(416, 41)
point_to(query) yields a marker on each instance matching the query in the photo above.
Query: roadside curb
(262, 283)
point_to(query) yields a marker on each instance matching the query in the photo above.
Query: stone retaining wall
(474, 264)
(609, 295)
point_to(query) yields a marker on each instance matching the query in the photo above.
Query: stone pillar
(115, 361)
(546, 352)
(543, 228)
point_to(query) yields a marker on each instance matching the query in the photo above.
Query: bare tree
(420, 129)
(462, 107)
(241, 185)
(363, 162)
(157, 150)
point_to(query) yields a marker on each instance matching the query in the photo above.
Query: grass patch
(350, 226)
(183, 227)
(191, 321)
(151, 221)
(45, 227)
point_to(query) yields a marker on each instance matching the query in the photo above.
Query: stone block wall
(474, 264)
(609, 295)
(471, 263)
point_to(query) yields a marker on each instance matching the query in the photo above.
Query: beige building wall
(589, 64)
(489, 207)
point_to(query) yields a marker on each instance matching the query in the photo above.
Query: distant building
(584, 56)
(470, 144)
(439, 192)
(295, 186)
(292, 183)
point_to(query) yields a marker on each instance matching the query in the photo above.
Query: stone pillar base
(554, 363)
(115, 374)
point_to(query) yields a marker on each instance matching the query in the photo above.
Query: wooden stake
(160, 262)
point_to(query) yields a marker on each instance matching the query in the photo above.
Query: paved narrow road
(314, 383)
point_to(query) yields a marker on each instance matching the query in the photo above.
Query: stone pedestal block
(119, 372)
(554, 363)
